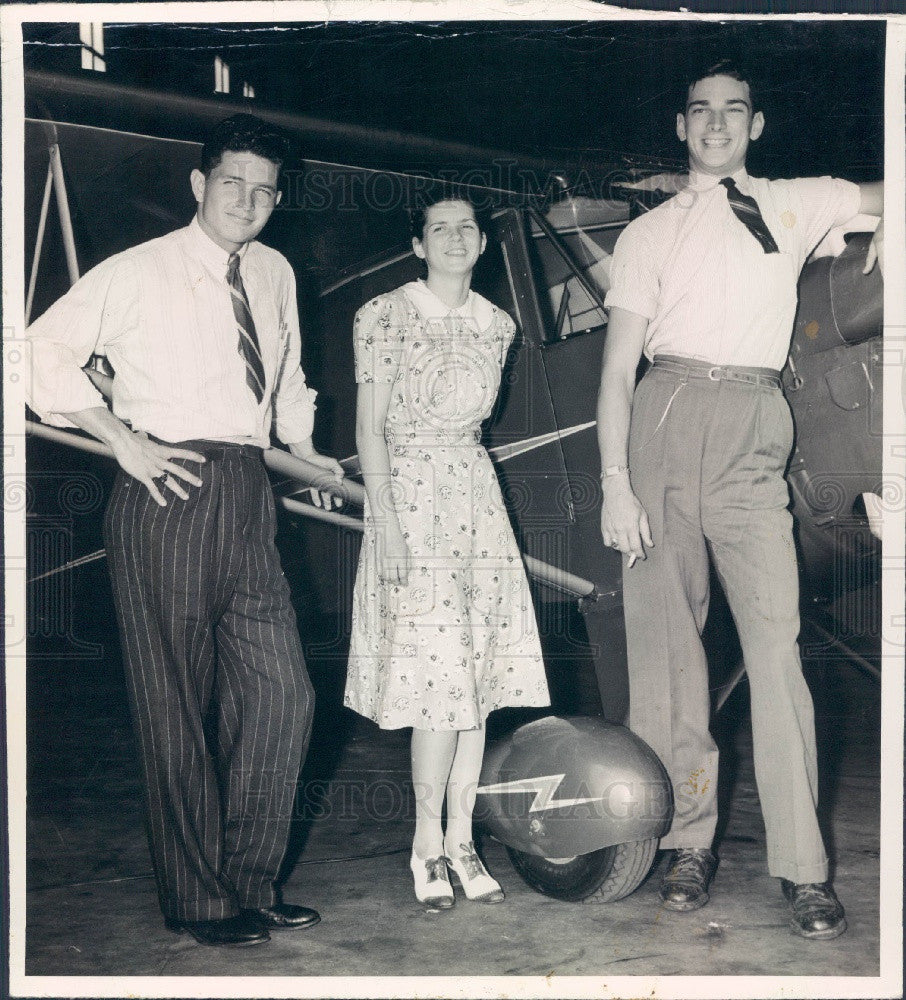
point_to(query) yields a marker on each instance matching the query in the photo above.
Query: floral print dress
(460, 639)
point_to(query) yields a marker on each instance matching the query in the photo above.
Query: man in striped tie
(693, 463)
(201, 328)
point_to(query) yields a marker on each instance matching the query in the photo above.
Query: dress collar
(431, 306)
(214, 256)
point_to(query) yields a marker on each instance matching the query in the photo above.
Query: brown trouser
(707, 458)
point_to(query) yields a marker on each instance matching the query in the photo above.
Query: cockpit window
(572, 244)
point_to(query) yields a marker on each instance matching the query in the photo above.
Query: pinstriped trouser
(218, 689)
(710, 477)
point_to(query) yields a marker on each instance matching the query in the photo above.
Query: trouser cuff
(679, 843)
(799, 874)
(214, 911)
(259, 901)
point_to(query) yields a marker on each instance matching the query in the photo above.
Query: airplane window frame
(552, 323)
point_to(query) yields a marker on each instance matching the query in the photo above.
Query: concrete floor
(92, 908)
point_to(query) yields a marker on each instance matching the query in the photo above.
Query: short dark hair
(244, 133)
(733, 68)
(438, 194)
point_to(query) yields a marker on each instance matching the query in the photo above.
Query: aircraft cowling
(561, 787)
(838, 304)
(833, 386)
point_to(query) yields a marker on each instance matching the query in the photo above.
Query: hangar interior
(91, 901)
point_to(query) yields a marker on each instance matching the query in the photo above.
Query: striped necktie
(746, 210)
(248, 339)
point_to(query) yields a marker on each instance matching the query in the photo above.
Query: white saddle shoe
(472, 875)
(432, 882)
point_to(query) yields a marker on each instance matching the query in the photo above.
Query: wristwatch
(614, 470)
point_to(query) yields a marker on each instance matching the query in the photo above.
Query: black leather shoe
(284, 916)
(817, 913)
(240, 931)
(685, 885)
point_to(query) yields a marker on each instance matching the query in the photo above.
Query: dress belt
(440, 438)
(693, 368)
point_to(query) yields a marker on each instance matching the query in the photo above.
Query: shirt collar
(212, 255)
(706, 182)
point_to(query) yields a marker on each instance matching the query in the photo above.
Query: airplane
(115, 160)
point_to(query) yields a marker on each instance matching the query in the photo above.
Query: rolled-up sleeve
(62, 340)
(294, 401)
(634, 282)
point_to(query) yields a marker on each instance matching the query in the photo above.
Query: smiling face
(236, 198)
(718, 125)
(451, 241)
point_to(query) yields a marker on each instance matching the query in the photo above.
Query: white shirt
(703, 281)
(162, 314)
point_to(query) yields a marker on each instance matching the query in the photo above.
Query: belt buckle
(711, 375)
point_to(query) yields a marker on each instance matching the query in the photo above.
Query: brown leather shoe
(284, 916)
(240, 931)
(685, 885)
(817, 913)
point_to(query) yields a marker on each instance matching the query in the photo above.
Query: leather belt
(693, 368)
(211, 448)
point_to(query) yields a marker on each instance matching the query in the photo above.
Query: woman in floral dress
(443, 628)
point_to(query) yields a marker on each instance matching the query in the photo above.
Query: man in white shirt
(693, 462)
(202, 330)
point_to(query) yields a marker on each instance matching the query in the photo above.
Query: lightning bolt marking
(544, 788)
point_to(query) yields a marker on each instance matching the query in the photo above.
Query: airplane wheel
(600, 877)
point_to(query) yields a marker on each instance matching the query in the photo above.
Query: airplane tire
(600, 877)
